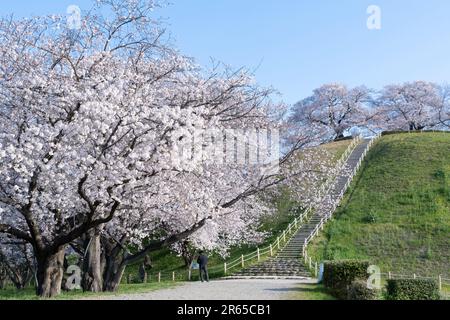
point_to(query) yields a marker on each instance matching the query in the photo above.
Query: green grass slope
(397, 211)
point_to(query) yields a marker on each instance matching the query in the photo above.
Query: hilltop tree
(443, 108)
(411, 106)
(333, 108)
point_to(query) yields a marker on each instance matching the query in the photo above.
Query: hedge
(339, 275)
(358, 290)
(412, 289)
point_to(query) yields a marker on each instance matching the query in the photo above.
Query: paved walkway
(251, 289)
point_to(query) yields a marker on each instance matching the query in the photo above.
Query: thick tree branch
(165, 243)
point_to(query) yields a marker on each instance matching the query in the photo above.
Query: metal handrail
(329, 215)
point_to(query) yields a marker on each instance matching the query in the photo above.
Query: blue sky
(295, 46)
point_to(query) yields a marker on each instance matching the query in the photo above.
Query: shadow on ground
(303, 288)
(305, 291)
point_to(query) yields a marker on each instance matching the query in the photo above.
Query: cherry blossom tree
(189, 210)
(443, 108)
(88, 118)
(17, 262)
(82, 115)
(411, 106)
(215, 205)
(333, 107)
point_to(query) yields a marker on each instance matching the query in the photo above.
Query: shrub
(358, 290)
(412, 289)
(339, 275)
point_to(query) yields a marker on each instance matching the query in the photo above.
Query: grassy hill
(397, 211)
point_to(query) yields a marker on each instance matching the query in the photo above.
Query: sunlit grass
(309, 292)
(29, 293)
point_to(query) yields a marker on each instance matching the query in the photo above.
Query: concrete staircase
(276, 268)
(289, 261)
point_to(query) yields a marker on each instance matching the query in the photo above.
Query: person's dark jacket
(202, 260)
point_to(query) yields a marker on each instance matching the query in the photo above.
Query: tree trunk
(19, 278)
(50, 273)
(102, 261)
(414, 126)
(339, 133)
(117, 257)
(114, 266)
(187, 253)
(188, 257)
(113, 274)
(92, 266)
(3, 277)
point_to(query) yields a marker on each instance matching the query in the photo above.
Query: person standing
(202, 261)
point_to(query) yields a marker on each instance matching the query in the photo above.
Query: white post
(414, 275)
(440, 282)
(225, 268)
(190, 274)
(173, 276)
(159, 276)
(257, 252)
(242, 260)
(315, 269)
(389, 275)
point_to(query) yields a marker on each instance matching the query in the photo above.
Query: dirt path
(252, 289)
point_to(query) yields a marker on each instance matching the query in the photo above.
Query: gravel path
(251, 289)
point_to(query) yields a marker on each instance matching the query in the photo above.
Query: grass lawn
(29, 294)
(397, 211)
(309, 292)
